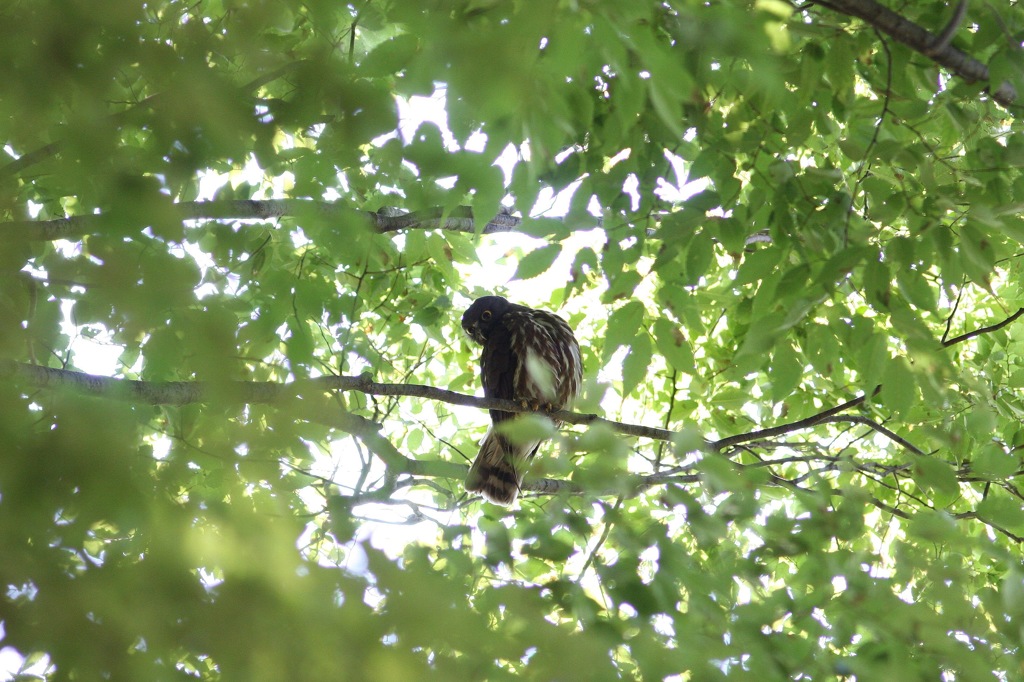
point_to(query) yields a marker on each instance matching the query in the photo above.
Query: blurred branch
(991, 524)
(459, 219)
(936, 47)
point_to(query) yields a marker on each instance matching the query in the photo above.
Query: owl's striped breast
(549, 370)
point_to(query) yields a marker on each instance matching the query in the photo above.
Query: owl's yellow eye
(485, 315)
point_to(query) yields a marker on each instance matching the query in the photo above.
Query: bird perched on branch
(529, 356)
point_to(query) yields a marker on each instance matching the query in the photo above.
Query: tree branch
(943, 40)
(775, 431)
(187, 392)
(384, 221)
(984, 330)
(919, 39)
(857, 419)
(369, 432)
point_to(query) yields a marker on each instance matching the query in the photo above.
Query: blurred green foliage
(855, 216)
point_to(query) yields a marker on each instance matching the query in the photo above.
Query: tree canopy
(237, 406)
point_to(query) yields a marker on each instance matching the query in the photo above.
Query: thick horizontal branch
(365, 385)
(385, 221)
(919, 39)
(369, 432)
(187, 392)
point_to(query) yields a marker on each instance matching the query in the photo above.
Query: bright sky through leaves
(788, 237)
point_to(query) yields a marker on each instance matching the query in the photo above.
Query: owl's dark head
(483, 316)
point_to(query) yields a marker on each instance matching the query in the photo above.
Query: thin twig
(857, 419)
(765, 434)
(600, 541)
(984, 330)
(943, 40)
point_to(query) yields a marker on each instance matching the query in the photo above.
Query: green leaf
(551, 548)
(785, 372)
(622, 284)
(673, 345)
(634, 366)
(993, 463)
(934, 526)
(720, 474)
(390, 56)
(688, 439)
(976, 255)
(527, 428)
(1003, 511)
(916, 289)
(698, 258)
(756, 266)
(899, 386)
(668, 110)
(441, 255)
(939, 476)
(537, 261)
(842, 264)
(623, 326)
(877, 283)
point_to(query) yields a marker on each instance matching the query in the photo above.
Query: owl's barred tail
(497, 471)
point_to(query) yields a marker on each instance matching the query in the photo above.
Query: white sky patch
(91, 345)
(415, 111)
(12, 662)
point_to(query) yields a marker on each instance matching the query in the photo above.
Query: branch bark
(919, 39)
(460, 219)
(946, 343)
(187, 392)
(369, 432)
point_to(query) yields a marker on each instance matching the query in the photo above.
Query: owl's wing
(550, 371)
(498, 364)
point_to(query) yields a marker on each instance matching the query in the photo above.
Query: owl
(529, 356)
